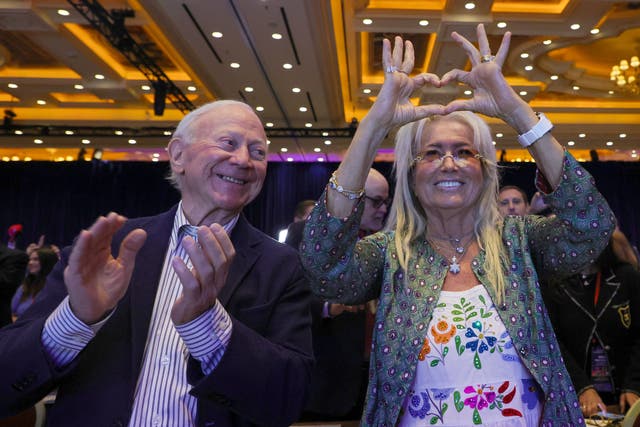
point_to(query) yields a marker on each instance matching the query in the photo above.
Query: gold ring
(486, 58)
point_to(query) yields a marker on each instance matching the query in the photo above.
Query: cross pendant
(454, 267)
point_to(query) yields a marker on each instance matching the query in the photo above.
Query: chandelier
(626, 74)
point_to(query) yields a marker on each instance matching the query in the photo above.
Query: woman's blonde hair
(410, 221)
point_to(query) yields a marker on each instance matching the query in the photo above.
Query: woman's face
(34, 263)
(442, 184)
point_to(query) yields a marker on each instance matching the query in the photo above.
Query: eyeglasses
(377, 202)
(461, 156)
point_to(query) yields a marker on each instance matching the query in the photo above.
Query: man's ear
(176, 155)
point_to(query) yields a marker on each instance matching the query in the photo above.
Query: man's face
(224, 167)
(377, 193)
(511, 202)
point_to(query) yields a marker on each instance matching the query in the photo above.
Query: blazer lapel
(245, 240)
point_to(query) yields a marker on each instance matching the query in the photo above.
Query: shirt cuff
(207, 336)
(64, 335)
(325, 310)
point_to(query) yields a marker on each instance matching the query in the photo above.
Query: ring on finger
(394, 69)
(487, 58)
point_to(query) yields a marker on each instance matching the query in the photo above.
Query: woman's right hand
(590, 402)
(393, 106)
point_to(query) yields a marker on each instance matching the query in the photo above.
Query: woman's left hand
(492, 95)
(627, 400)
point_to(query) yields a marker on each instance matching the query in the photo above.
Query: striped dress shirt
(162, 392)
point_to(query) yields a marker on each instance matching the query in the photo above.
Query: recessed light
(287, 66)
(284, 149)
(216, 34)
(5, 158)
(38, 141)
(367, 91)
(572, 143)
(79, 87)
(623, 135)
(302, 109)
(582, 135)
(499, 135)
(321, 159)
(118, 132)
(289, 159)
(493, 142)
(156, 155)
(276, 36)
(611, 92)
(523, 92)
(470, 6)
(12, 86)
(575, 27)
(155, 159)
(308, 125)
(367, 21)
(269, 124)
(325, 133)
(553, 77)
(268, 142)
(595, 30)
(317, 149)
(63, 12)
(327, 142)
(86, 141)
(546, 42)
(28, 159)
(609, 143)
(18, 132)
(15, 158)
(166, 133)
(68, 132)
(576, 88)
(528, 68)
(524, 55)
(295, 90)
(145, 87)
(248, 89)
(41, 102)
(132, 141)
(467, 92)
(234, 65)
(501, 25)
(99, 77)
(423, 22)
(259, 108)
(192, 88)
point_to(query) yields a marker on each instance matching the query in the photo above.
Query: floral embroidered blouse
(468, 371)
(343, 269)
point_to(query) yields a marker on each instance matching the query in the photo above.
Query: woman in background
(41, 262)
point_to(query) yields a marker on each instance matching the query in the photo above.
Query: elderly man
(190, 317)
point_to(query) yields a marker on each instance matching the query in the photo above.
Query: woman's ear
(176, 155)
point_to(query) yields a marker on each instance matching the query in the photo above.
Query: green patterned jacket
(343, 269)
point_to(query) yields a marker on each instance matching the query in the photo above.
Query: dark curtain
(59, 199)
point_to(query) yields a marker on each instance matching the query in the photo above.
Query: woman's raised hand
(393, 107)
(492, 95)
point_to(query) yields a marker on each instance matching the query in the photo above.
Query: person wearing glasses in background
(461, 335)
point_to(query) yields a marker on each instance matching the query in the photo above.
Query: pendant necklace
(459, 250)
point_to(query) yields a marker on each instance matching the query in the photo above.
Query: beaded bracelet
(349, 194)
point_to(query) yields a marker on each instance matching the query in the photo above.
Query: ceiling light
(192, 88)
(302, 109)
(269, 124)
(325, 133)
(553, 77)
(327, 142)
(546, 42)
(166, 133)
(155, 159)
(317, 149)
(28, 159)
(12, 86)
(284, 149)
(367, 21)
(79, 87)
(132, 141)
(571, 143)
(289, 159)
(156, 155)
(634, 154)
(609, 143)
(248, 89)
(145, 87)
(626, 74)
(41, 102)
(63, 12)
(493, 142)
(276, 36)
(575, 27)
(499, 135)
(524, 55)
(268, 142)
(467, 92)
(528, 68)
(470, 6)
(68, 132)
(501, 25)
(259, 108)
(623, 135)
(594, 31)
(234, 65)
(18, 132)
(118, 132)
(15, 158)
(216, 35)
(38, 141)
(308, 125)
(423, 22)
(99, 76)
(287, 66)
(86, 141)
(576, 88)
(367, 91)
(321, 159)
(582, 135)
(5, 158)
(611, 92)
(295, 90)
(523, 92)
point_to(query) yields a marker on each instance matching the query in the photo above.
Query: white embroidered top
(468, 371)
